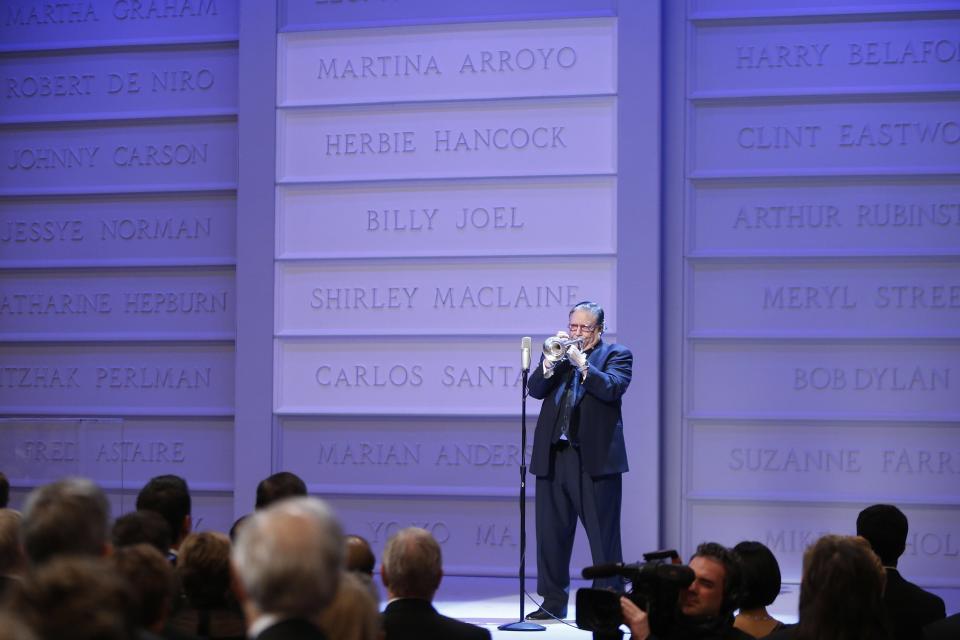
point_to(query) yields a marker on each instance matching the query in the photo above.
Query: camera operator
(706, 606)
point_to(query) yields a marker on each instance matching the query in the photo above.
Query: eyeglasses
(584, 328)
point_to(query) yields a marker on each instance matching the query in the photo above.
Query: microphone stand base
(522, 625)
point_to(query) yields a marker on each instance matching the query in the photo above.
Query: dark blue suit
(582, 480)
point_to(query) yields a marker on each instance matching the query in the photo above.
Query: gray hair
(66, 517)
(289, 557)
(412, 564)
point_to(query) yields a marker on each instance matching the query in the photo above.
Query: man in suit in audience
(909, 607)
(67, 517)
(280, 485)
(411, 569)
(288, 558)
(169, 496)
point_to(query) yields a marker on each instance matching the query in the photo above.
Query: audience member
(4, 490)
(208, 607)
(13, 628)
(841, 593)
(151, 581)
(909, 607)
(77, 598)
(411, 569)
(13, 562)
(67, 517)
(288, 558)
(760, 587)
(141, 527)
(235, 527)
(353, 614)
(169, 496)
(946, 629)
(279, 486)
(360, 561)
(706, 606)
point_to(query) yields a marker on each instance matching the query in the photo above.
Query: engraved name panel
(154, 229)
(932, 555)
(814, 461)
(883, 55)
(327, 298)
(336, 14)
(886, 381)
(749, 8)
(448, 140)
(119, 454)
(889, 298)
(478, 536)
(499, 217)
(396, 456)
(169, 379)
(448, 62)
(786, 219)
(443, 376)
(121, 158)
(912, 137)
(94, 305)
(143, 83)
(37, 24)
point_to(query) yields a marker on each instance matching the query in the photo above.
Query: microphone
(525, 344)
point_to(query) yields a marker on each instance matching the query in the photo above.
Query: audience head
(885, 528)
(360, 556)
(279, 486)
(67, 517)
(136, 527)
(4, 490)
(169, 496)
(412, 566)
(353, 614)
(13, 628)
(841, 591)
(77, 598)
(289, 557)
(760, 575)
(204, 569)
(12, 559)
(150, 578)
(716, 585)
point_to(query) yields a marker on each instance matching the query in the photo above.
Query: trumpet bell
(557, 347)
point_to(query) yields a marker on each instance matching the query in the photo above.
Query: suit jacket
(946, 629)
(416, 619)
(292, 629)
(909, 607)
(602, 449)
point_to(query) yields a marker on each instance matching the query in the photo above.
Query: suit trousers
(563, 497)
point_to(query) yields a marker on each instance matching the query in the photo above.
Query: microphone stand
(523, 625)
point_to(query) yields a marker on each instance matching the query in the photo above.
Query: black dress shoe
(542, 614)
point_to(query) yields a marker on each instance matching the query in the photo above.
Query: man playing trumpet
(578, 452)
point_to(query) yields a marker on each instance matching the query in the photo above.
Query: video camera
(655, 588)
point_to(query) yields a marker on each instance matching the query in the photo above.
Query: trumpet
(554, 347)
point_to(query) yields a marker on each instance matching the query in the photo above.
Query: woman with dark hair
(760, 576)
(207, 608)
(841, 593)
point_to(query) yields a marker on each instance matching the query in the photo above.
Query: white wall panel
(434, 376)
(835, 299)
(887, 55)
(389, 456)
(462, 297)
(932, 556)
(478, 536)
(195, 228)
(448, 140)
(882, 380)
(909, 137)
(193, 304)
(461, 218)
(868, 462)
(886, 216)
(443, 62)
(117, 379)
